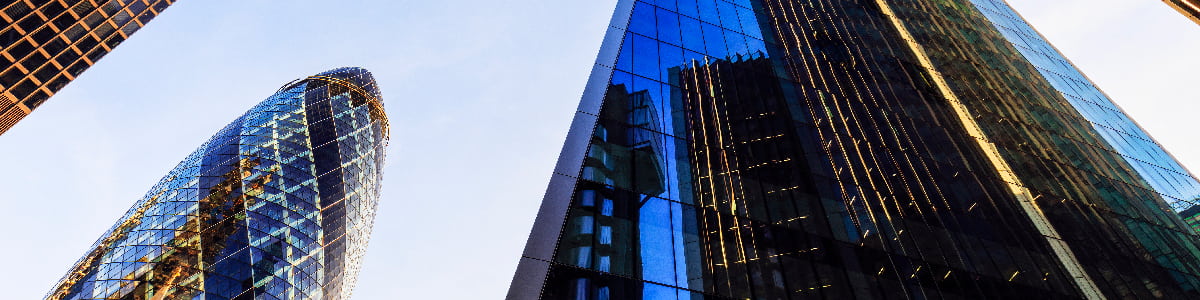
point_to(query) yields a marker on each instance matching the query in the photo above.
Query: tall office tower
(277, 205)
(44, 44)
(1189, 8)
(876, 149)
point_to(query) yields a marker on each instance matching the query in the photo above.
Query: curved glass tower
(277, 205)
(1189, 8)
(878, 149)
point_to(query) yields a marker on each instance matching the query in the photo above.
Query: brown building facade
(44, 44)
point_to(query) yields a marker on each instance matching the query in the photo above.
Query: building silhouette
(277, 205)
(853, 150)
(44, 44)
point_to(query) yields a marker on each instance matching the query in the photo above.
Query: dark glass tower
(44, 44)
(277, 205)
(1191, 216)
(877, 149)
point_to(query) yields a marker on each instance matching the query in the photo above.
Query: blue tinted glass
(625, 57)
(668, 27)
(643, 21)
(645, 56)
(670, 57)
(688, 8)
(728, 15)
(693, 36)
(708, 11)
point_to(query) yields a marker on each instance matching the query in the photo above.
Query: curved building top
(278, 204)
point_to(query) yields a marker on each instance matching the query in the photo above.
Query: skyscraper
(44, 44)
(1189, 8)
(879, 149)
(277, 205)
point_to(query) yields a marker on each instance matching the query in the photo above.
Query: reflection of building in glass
(854, 150)
(747, 171)
(1192, 217)
(277, 205)
(47, 43)
(1189, 8)
(604, 232)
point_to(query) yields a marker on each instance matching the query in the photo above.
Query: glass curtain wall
(277, 205)
(788, 149)
(44, 44)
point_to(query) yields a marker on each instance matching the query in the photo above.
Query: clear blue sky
(479, 94)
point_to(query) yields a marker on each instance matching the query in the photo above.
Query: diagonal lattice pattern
(277, 205)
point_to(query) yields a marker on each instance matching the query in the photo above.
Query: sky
(479, 95)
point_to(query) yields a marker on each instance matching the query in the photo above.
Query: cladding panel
(793, 149)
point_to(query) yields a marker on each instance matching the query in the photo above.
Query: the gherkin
(852, 149)
(277, 205)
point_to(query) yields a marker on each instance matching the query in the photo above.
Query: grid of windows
(44, 44)
(794, 149)
(1157, 168)
(277, 205)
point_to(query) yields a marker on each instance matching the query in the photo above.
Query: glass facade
(1192, 217)
(796, 149)
(44, 44)
(1174, 183)
(1189, 8)
(277, 205)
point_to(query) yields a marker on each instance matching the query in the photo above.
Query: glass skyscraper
(878, 149)
(44, 44)
(277, 205)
